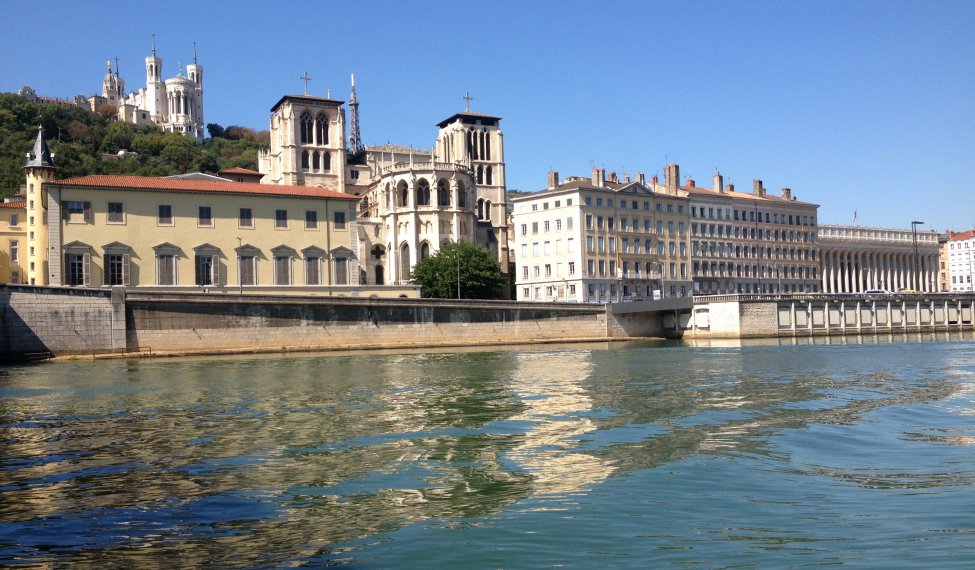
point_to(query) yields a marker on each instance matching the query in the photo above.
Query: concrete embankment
(70, 321)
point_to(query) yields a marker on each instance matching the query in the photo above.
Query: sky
(857, 105)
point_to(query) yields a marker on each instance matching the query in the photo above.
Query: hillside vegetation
(87, 143)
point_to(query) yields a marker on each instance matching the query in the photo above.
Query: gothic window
(461, 195)
(480, 148)
(487, 210)
(404, 261)
(315, 162)
(487, 147)
(480, 209)
(443, 193)
(404, 194)
(379, 275)
(424, 250)
(321, 129)
(471, 149)
(480, 174)
(422, 193)
(488, 176)
(326, 162)
(305, 128)
(304, 160)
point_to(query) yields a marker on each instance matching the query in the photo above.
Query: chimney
(719, 183)
(786, 193)
(690, 183)
(731, 187)
(553, 179)
(626, 179)
(654, 181)
(757, 188)
(612, 177)
(599, 177)
(641, 178)
(672, 178)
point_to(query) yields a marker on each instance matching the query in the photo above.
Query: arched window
(443, 193)
(326, 162)
(422, 193)
(487, 209)
(315, 162)
(480, 174)
(488, 177)
(461, 195)
(480, 209)
(305, 128)
(424, 250)
(404, 194)
(404, 262)
(471, 144)
(321, 129)
(487, 147)
(304, 160)
(480, 137)
(380, 275)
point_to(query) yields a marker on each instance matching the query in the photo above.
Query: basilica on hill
(411, 201)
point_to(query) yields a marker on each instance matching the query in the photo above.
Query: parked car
(876, 292)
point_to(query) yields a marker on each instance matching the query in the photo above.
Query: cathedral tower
(155, 97)
(38, 170)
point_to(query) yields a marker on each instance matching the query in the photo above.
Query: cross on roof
(467, 97)
(306, 78)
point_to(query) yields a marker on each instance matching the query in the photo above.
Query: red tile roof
(962, 236)
(238, 170)
(14, 205)
(206, 186)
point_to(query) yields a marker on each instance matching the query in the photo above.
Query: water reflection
(278, 461)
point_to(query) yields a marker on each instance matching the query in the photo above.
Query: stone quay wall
(160, 322)
(60, 320)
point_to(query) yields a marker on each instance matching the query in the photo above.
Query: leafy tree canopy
(88, 143)
(480, 273)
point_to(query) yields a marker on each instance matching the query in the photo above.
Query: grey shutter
(89, 218)
(216, 270)
(125, 269)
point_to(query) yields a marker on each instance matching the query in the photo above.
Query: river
(857, 452)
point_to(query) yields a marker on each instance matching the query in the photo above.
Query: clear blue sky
(855, 104)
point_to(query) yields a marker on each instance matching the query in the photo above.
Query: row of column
(855, 272)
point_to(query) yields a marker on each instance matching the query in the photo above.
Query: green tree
(473, 266)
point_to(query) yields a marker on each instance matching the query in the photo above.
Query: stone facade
(60, 321)
(856, 259)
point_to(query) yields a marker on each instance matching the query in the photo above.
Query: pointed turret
(41, 156)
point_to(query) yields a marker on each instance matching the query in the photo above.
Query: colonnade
(845, 271)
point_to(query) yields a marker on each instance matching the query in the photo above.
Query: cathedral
(175, 104)
(411, 201)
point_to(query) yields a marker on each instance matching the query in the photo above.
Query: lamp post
(240, 282)
(917, 270)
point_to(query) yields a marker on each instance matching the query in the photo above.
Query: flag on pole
(854, 217)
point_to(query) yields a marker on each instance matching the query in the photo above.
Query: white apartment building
(961, 260)
(593, 240)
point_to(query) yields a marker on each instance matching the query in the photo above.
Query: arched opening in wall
(305, 125)
(326, 162)
(443, 193)
(487, 210)
(422, 192)
(304, 160)
(487, 147)
(488, 176)
(472, 144)
(380, 273)
(480, 209)
(404, 262)
(315, 162)
(480, 174)
(404, 194)
(321, 129)
(388, 194)
(424, 250)
(461, 194)
(480, 147)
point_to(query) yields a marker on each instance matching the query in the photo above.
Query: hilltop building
(175, 104)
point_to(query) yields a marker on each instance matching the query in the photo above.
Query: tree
(215, 130)
(479, 273)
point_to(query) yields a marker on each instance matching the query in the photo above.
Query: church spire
(355, 139)
(194, 53)
(153, 45)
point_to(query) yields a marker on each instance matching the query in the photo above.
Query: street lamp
(917, 269)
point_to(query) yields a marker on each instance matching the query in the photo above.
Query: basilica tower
(38, 170)
(155, 97)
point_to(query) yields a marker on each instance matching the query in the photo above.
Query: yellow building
(12, 241)
(189, 233)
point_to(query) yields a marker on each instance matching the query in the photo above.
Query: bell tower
(38, 170)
